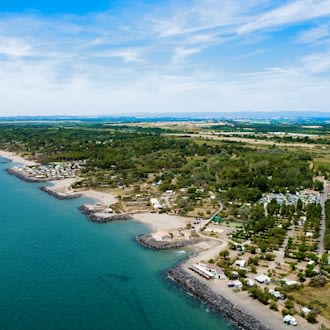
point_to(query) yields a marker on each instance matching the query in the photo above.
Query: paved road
(324, 197)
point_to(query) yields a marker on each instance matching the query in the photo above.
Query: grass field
(319, 298)
(324, 162)
(231, 224)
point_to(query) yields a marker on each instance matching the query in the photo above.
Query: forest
(128, 155)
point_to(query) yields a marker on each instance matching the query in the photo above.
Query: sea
(60, 271)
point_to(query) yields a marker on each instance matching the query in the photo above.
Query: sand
(104, 198)
(162, 221)
(63, 185)
(100, 197)
(16, 158)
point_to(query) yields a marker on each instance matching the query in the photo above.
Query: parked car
(289, 319)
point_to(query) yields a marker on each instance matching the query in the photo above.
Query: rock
(103, 217)
(24, 175)
(148, 241)
(223, 306)
(58, 194)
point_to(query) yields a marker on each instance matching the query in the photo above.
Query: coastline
(61, 189)
(16, 158)
(245, 313)
(237, 307)
(62, 185)
(234, 313)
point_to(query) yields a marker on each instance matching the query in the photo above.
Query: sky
(103, 57)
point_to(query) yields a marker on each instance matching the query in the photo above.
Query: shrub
(318, 282)
(311, 317)
(289, 304)
(273, 306)
(224, 253)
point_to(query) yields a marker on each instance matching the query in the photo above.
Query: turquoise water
(60, 271)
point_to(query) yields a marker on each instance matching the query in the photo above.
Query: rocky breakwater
(149, 241)
(101, 214)
(227, 309)
(59, 194)
(25, 175)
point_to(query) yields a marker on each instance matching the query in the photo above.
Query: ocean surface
(60, 271)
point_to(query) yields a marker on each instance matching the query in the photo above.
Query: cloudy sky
(84, 57)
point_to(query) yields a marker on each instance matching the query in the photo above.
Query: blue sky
(111, 57)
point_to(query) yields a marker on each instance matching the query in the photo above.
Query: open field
(317, 297)
(249, 141)
(322, 161)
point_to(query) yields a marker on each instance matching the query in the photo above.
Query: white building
(240, 263)
(155, 203)
(263, 279)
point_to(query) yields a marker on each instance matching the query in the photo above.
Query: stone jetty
(24, 175)
(101, 214)
(218, 303)
(149, 241)
(59, 194)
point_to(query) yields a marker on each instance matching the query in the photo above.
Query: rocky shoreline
(60, 195)
(100, 217)
(218, 303)
(149, 242)
(98, 214)
(24, 176)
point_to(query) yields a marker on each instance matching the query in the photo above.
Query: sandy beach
(100, 197)
(155, 221)
(64, 185)
(16, 158)
(162, 221)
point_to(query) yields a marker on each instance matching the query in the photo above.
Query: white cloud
(127, 55)
(203, 17)
(252, 54)
(14, 47)
(296, 11)
(314, 35)
(316, 63)
(181, 54)
(100, 64)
